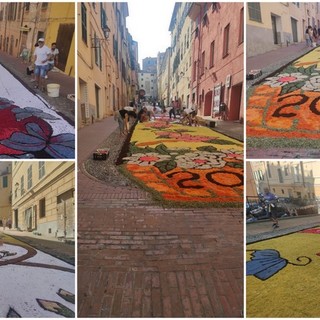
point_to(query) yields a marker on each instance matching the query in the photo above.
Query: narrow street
(139, 259)
(34, 125)
(37, 284)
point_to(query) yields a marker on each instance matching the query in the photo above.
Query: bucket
(53, 90)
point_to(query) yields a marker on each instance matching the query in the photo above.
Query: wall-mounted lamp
(96, 42)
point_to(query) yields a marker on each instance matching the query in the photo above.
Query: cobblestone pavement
(138, 259)
(262, 230)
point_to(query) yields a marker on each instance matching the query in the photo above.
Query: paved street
(33, 124)
(138, 259)
(37, 283)
(263, 229)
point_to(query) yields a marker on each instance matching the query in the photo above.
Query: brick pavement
(61, 104)
(137, 259)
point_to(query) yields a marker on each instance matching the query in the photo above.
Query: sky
(148, 23)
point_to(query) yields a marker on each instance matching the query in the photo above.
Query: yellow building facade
(290, 179)
(107, 77)
(181, 63)
(277, 24)
(23, 23)
(5, 192)
(43, 198)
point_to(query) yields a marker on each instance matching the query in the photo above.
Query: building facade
(290, 179)
(149, 65)
(163, 78)
(5, 193)
(107, 60)
(217, 59)
(181, 54)
(148, 82)
(23, 23)
(43, 198)
(271, 26)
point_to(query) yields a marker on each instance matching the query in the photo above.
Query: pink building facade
(217, 74)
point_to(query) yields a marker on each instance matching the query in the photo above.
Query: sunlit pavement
(137, 259)
(36, 284)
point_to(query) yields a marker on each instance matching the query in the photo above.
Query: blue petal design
(62, 146)
(265, 263)
(24, 142)
(23, 113)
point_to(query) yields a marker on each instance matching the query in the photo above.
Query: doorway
(294, 26)
(235, 102)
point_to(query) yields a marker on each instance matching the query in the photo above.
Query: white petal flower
(285, 78)
(201, 160)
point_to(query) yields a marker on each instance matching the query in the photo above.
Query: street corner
(42, 286)
(30, 128)
(277, 269)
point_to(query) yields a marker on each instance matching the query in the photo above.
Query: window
(280, 176)
(269, 169)
(84, 22)
(29, 177)
(226, 41)
(212, 54)
(97, 51)
(241, 27)
(22, 185)
(42, 208)
(5, 181)
(254, 11)
(42, 171)
(203, 56)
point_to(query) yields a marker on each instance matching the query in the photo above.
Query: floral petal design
(61, 146)
(313, 84)
(265, 263)
(146, 159)
(23, 113)
(24, 142)
(201, 160)
(283, 79)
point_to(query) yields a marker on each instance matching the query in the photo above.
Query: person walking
(271, 200)
(42, 55)
(308, 40)
(172, 111)
(53, 61)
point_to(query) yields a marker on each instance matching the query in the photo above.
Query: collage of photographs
(159, 159)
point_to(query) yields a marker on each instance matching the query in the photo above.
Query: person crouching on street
(42, 55)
